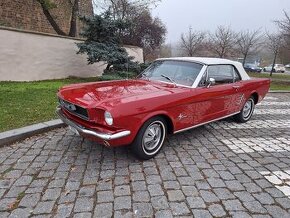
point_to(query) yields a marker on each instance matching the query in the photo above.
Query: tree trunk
(244, 61)
(273, 65)
(73, 21)
(52, 21)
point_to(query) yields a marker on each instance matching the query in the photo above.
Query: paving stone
(141, 196)
(254, 207)
(143, 209)
(87, 191)
(216, 210)
(139, 186)
(160, 202)
(44, 207)
(57, 183)
(223, 194)
(276, 211)
(72, 185)
(82, 215)
(201, 213)
(122, 190)
(105, 196)
(284, 202)
(175, 195)
(190, 190)
(234, 185)
(195, 202)
(239, 214)
(103, 210)
(202, 185)
(67, 197)
(155, 190)
(20, 212)
(171, 185)
(83, 205)
(15, 191)
(244, 196)
(234, 205)
(51, 194)
(208, 196)
(123, 202)
(163, 214)
(264, 198)
(179, 208)
(23, 180)
(216, 183)
(29, 200)
(64, 210)
(123, 214)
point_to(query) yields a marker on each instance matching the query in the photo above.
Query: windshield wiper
(168, 78)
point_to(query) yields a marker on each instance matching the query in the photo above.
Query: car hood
(110, 93)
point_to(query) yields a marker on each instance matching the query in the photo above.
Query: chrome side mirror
(210, 82)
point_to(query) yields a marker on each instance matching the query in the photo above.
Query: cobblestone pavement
(222, 169)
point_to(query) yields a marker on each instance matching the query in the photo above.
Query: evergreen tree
(102, 34)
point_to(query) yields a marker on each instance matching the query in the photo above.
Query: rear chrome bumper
(83, 130)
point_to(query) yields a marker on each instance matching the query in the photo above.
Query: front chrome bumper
(83, 130)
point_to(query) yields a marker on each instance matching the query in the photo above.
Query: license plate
(74, 130)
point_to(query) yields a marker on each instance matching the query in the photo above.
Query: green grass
(25, 103)
(278, 81)
(275, 76)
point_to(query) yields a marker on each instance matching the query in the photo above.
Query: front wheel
(150, 138)
(247, 111)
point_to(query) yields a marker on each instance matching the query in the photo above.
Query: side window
(237, 76)
(223, 74)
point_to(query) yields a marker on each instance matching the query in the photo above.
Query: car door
(217, 100)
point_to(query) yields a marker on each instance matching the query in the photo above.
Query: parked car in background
(287, 66)
(172, 95)
(279, 68)
(252, 68)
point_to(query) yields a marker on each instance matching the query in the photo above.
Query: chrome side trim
(82, 129)
(191, 127)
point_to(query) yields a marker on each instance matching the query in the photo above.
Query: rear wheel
(247, 111)
(150, 138)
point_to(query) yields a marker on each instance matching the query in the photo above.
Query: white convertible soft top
(213, 61)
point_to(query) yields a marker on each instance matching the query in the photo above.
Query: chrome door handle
(236, 87)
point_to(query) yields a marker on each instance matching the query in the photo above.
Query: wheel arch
(165, 116)
(255, 96)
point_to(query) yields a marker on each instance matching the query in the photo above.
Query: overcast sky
(206, 15)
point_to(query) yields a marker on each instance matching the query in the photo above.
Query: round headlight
(108, 118)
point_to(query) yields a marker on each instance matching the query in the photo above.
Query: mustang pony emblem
(181, 116)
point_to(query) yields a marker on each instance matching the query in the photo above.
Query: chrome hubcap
(247, 109)
(153, 137)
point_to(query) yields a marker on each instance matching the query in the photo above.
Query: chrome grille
(74, 109)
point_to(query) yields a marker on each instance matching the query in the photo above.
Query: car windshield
(177, 72)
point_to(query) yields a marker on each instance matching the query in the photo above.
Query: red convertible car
(172, 95)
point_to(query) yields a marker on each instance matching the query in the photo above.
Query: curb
(15, 135)
(279, 91)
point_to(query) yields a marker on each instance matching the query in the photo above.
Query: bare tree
(248, 42)
(48, 5)
(284, 24)
(191, 41)
(222, 41)
(121, 9)
(274, 43)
